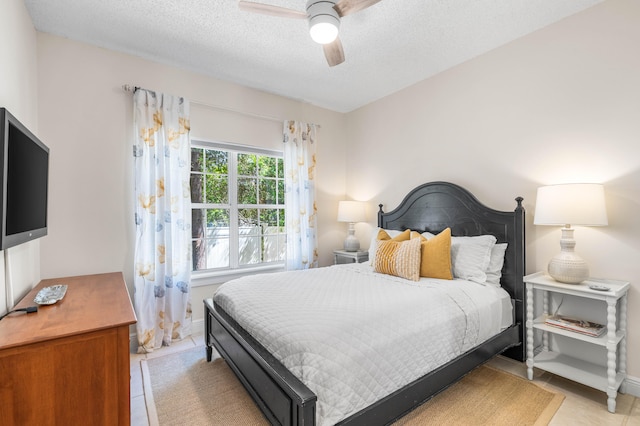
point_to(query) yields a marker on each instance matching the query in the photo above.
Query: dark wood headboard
(435, 206)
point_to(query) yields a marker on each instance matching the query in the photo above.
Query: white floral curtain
(300, 194)
(162, 256)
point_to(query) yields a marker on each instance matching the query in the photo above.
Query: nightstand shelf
(607, 376)
(587, 373)
(539, 324)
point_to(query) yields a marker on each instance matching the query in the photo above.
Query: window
(237, 201)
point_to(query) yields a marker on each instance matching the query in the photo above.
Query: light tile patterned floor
(582, 405)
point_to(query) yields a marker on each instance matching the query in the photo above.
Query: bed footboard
(282, 398)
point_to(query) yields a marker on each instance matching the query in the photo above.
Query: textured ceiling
(388, 46)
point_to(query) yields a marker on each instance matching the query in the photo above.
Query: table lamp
(352, 212)
(570, 204)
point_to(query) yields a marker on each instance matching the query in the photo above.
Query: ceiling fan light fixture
(323, 32)
(324, 21)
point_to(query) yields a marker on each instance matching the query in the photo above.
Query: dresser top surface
(91, 303)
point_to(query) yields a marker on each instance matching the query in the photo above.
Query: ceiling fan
(324, 20)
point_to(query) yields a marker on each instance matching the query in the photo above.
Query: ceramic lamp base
(567, 266)
(568, 269)
(351, 243)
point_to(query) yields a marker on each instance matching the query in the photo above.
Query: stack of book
(577, 325)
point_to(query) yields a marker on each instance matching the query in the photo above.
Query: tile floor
(582, 405)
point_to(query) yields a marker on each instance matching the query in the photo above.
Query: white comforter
(354, 336)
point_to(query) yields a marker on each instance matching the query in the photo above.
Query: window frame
(234, 268)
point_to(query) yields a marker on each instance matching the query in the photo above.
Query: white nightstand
(343, 256)
(604, 378)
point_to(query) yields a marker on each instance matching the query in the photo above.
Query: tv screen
(25, 175)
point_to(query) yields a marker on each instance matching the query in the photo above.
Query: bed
(279, 391)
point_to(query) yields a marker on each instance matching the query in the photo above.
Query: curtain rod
(129, 88)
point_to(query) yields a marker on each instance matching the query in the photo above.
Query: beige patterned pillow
(399, 258)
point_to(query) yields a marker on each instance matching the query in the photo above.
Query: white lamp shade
(571, 204)
(351, 211)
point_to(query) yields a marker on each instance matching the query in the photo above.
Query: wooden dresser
(68, 363)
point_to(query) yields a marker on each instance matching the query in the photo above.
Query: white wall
(18, 93)
(86, 119)
(559, 105)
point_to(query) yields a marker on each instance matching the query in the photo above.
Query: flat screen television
(24, 183)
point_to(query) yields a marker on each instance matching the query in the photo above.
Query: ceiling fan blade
(346, 7)
(267, 9)
(334, 52)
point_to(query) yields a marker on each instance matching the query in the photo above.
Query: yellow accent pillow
(403, 236)
(436, 255)
(399, 258)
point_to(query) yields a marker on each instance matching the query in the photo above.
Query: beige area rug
(186, 390)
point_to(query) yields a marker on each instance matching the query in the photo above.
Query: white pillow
(494, 271)
(374, 241)
(470, 257)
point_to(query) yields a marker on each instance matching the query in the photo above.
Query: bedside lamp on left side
(351, 212)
